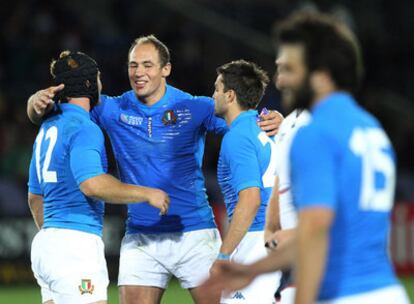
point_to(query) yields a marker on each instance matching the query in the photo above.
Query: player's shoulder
(87, 134)
(310, 137)
(177, 93)
(81, 126)
(182, 96)
(341, 115)
(241, 135)
(106, 100)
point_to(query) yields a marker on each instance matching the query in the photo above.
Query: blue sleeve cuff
(249, 184)
(35, 190)
(81, 179)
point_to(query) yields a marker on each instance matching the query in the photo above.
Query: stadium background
(201, 35)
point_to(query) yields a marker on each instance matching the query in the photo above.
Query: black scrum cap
(78, 72)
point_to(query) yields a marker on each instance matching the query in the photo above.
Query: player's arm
(314, 185)
(35, 194)
(272, 223)
(109, 189)
(41, 103)
(239, 152)
(273, 234)
(243, 216)
(312, 238)
(36, 208)
(86, 150)
(230, 276)
(270, 122)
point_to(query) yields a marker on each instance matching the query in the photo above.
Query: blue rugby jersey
(245, 161)
(344, 161)
(67, 151)
(162, 146)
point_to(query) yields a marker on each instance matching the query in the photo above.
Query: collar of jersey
(242, 116)
(153, 108)
(334, 97)
(68, 107)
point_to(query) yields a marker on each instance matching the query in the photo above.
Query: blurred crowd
(201, 34)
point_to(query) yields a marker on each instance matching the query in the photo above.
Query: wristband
(223, 257)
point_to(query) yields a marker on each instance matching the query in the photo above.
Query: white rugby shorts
(69, 266)
(151, 259)
(263, 288)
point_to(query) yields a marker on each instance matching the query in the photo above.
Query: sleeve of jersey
(244, 165)
(86, 151)
(34, 185)
(312, 161)
(98, 110)
(212, 123)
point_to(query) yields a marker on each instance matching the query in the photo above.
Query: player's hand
(42, 101)
(270, 122)
(215, 268)
(227, 277)
(159, 199)
(280, 236)
(270, 241)
(268, 234)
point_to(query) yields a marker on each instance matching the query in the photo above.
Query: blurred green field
(174, 294)
(31, 295)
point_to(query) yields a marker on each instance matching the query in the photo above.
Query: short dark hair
(162, 49)
(328, 45)
(247, 79)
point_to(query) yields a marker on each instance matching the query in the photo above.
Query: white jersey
(288, 129)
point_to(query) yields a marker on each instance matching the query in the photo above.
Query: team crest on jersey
(86, 286)
(131, 120)
(169, 118)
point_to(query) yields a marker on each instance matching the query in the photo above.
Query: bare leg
(200, 297)
(130, 294)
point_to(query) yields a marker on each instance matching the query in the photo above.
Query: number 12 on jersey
(42, 169)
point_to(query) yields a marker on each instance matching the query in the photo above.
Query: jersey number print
(42, 170)
(268, 178)
(370, 145)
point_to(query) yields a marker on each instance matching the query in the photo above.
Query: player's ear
(166, 70)
(230, 96)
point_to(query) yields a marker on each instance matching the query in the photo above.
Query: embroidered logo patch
(131, 120)
(86, 286)
(169, 117)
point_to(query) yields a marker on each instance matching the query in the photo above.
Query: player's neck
(83, 102)
(232, 114)
(321, 96)
(322, 87)
(155, 97)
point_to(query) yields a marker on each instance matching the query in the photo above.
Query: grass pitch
(174, 294)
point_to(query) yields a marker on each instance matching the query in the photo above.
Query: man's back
(60, 163)
(355, 177)
(162, 146)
